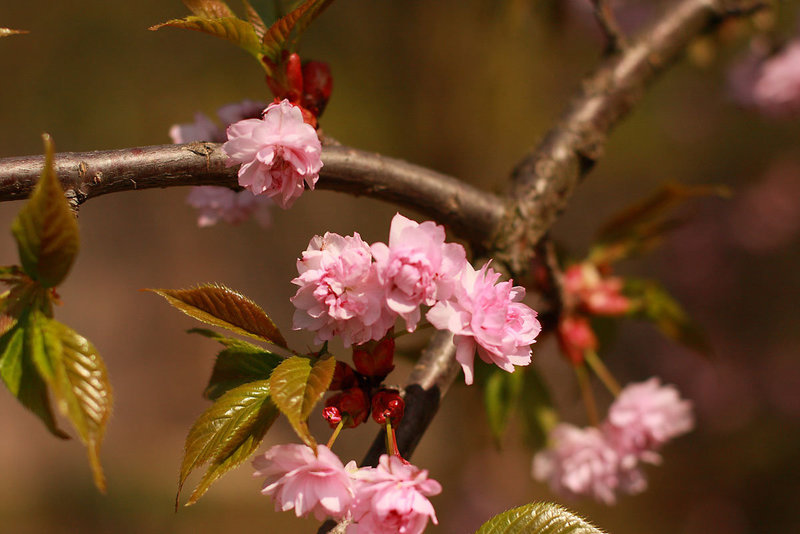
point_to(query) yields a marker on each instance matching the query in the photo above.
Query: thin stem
(391, 442)
(586, 393)
(335, 433)
(615, 39)
(602, 372)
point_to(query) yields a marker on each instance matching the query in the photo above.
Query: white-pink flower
(644, 416)
(340, 294)
(487, 316)
(216, 204)
(582, 463)
(393, 498)
(298, 479)
(417, 267)
(278, 153)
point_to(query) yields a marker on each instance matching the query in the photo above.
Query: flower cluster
(357, 291)
(598, 462)
(214, 203)
(389, 498)
(278, 153)
(770, 84)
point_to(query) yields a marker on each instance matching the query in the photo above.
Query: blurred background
(465, 87)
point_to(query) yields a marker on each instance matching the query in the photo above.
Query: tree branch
(470, 213)
(615, 39)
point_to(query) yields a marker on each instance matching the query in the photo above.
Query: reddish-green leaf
(259, 26)
(77, 376)
(212, 9)
(297, 384)
(45, 228)
(241, 362)
(219, 306)
(283, 34)
(538, 518)
(227, 433)
(5, 32)
(21, 377)
(235, 30)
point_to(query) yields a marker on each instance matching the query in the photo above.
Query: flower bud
(375, 358)
(575, 336)
(387, 404)
(343, 377)
(352, 404)
(332, 415)
(317, 86)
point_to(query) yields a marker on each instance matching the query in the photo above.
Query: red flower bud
(575, 336)
(375, 359)
(317, 86)
(352, 404)
(387, 404)
(343, 377)
(332, 415)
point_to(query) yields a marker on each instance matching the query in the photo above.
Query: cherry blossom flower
(487, 316)
(234, 207)
(598, 294)
(581, 462)
(417, 267)
(393, 498)
(646, 415)
(298, 479)
(340, 294)
(777, 90)
(202, 129)
(278, 153)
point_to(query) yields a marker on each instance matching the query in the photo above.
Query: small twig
(615, 38)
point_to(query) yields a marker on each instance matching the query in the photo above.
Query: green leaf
(5, 32)
(241, 362)
(77, 376)
(297, 385)
(538, 518)
(655, 304)
(500, 396)
(536, 407)
(45, 228)
(213, 9)
(219, 306)
(227, 433)
(21, 377)
(285, 32)
(233, 29)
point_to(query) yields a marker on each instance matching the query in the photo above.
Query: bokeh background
(465, 87)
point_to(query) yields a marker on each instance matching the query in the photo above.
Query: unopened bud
(317, 86)
(375, 359)
(387, 404)
(352, 404)
(332, 415)
(575, 336)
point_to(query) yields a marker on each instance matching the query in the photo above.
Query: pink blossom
(600, 295)
(202, 129)
(234, 207)
(340, 294)
(246, 109)
(581, 462)
(392, 498)
(646, 415)
(417, 267)
(777, 89)
(297, 478)
(487, 316)
(278, 153)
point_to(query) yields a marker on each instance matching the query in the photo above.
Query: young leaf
(538, 414)
(77, 376)
(233, 29)
(22, 379)
(227, 433)
(297, 385)
(283, 34)
(658, 306)
(259, 26)
(45, 228)
(500, 396)
(212, 9)
(219, 306)
(538, 518)
(241, 362)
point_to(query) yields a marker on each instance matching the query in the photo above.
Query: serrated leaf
(536, 408)
(45, 228)
(22, 379)
(241, 362)
(259, 26)
(5, 32)
(538, 518)
(214, 9)
(219, 306)
(227, 433)
(297, 385)
(283, 34)
(500, 396)
(655, 304)
(77, 376)
(233, 29)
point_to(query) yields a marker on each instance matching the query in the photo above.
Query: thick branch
(545, 179)
(468, 212)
